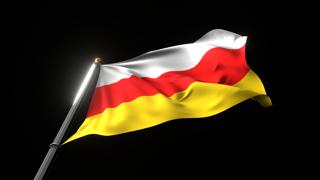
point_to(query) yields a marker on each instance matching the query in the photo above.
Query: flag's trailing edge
(193, 80)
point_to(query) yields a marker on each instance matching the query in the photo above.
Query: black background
(55, 44)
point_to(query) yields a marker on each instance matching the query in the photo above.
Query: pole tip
(97, 60)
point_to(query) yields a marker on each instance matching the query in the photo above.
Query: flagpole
(57, 141)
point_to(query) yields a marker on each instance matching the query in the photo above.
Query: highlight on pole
(86, 80)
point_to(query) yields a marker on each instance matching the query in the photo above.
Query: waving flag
(193, 80)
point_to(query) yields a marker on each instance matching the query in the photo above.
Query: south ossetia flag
(193, 80)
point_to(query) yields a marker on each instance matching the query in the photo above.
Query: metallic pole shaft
(57, 141)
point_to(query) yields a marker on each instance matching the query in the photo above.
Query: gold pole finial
(97, 60)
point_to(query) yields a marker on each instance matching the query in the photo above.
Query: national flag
(193, 80)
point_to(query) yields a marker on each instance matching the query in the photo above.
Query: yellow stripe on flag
(198, 100)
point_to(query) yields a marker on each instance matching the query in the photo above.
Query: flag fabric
(193, 80)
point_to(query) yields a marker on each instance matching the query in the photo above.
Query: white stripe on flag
(176, 58)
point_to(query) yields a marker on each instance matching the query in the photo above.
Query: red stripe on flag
(218, 65)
